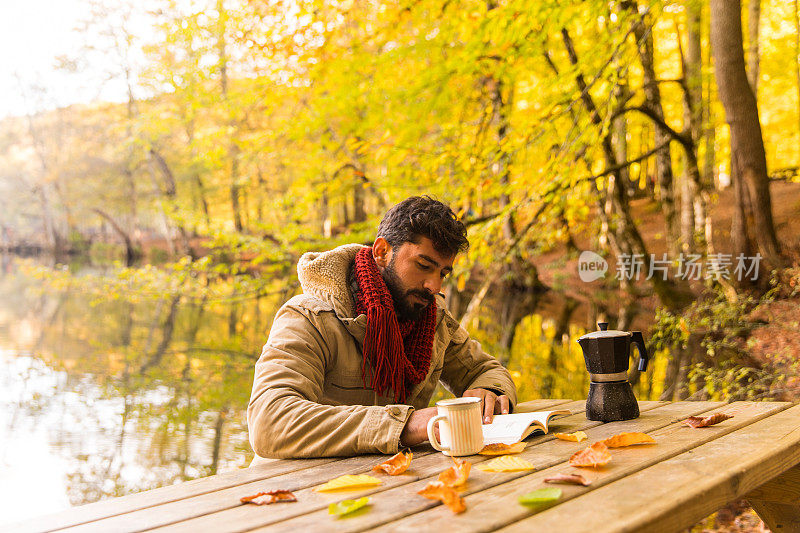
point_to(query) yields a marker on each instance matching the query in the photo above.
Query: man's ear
(381, 251)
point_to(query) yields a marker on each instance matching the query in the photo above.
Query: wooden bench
(687, 475)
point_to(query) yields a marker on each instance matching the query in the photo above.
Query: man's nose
(433, 285)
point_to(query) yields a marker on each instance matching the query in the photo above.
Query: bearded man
(351, 364)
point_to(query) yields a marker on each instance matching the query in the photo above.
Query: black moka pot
(607, 353)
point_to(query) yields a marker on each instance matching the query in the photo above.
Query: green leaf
(348, 506)
(540, 496)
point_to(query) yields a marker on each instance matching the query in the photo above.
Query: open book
(508, 429)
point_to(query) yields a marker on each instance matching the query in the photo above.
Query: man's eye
(423, 267)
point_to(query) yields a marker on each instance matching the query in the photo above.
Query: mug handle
(432, 434)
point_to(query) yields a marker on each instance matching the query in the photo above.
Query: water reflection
(101, 399)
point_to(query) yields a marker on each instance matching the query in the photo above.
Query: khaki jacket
(309, 398)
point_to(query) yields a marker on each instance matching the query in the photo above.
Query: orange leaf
(569, 479)
(574, 437)
(701, 422)
(595, 455)
(436, 490)
(627, 439)
(266, 498)
(395, 465)
(457, 474)
(502, 449)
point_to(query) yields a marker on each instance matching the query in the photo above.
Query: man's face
(414, 274)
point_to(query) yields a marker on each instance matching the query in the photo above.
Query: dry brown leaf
(578, 436)
(569, 479)
(457, 474)
(395, 465)
(595, 455)
(702, 422)
(628, 439)
(266, 498)
(436, 490)
(502, 449)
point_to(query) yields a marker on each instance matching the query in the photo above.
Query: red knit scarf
(399, 352)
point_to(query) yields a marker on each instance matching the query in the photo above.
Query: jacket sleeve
(285, 418)
(467, 366)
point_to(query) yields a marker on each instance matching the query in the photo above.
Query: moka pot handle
(638, 340)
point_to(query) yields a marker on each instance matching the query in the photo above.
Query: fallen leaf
(347, 506)
(595, 455)
(506, 463)
(701, 422)
(502, 449)
(578, 436)
(436, 490)
(627, 439)
(540, 496)
(569, 479)
(266, 498)
(395, 465)
(349, 481)
(457, 474)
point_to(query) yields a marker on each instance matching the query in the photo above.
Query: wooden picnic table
(687, 475)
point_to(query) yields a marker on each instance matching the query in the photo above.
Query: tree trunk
(627, 236)
(359, 213)
(644, 38)
(741, 111)
(692, 216)
(51, 232)
(740, 238)
(132, 252)
(171, 193)
(620, 136)
(796, 17)
(233, 148)
(753, 20)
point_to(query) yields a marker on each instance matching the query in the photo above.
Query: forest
(661, 136)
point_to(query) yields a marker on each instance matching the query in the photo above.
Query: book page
(508, 429)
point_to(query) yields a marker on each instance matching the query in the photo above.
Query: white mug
(460, 430)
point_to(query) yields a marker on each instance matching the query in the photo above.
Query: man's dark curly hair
(422, 216)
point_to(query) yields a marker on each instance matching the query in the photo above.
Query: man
(351, 364)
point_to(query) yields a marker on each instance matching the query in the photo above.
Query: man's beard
(405, 309)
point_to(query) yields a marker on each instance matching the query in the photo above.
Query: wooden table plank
(491, 498)
(679, 491)
(148, 509)
(241, 518)
(394, 504)
(142, 500)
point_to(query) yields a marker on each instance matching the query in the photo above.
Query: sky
(33, 33)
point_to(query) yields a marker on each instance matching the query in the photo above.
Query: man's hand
(492, 403)
(416, 428)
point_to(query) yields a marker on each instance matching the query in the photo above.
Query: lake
(106, 391)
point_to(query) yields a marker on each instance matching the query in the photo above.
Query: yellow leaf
(349, 481)
(578, 436)
(506, 463)
(627, 439)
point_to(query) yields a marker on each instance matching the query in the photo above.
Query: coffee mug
(460, 429)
